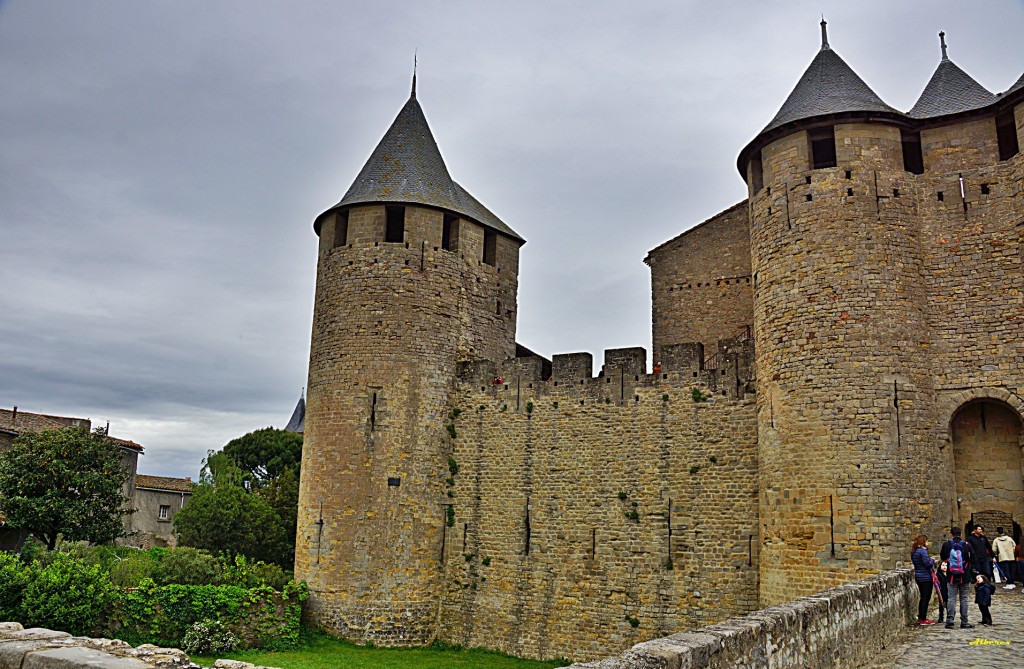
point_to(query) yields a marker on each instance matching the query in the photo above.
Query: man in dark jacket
(981, 552)
(959, 583)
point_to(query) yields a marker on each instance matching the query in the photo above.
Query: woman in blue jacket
(923, 565)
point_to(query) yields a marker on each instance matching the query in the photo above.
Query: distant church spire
(413, 74)
(942, 41)
(824, 34)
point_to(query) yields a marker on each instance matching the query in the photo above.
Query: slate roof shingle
(407, 167)
(828, 86)
(297, 423)
(949, 91)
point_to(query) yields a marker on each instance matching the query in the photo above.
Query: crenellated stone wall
(593, 513)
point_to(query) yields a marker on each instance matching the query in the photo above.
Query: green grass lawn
(323, 652)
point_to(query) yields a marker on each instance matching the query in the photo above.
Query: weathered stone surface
(79, 657)
(843, 627)
(33, 633)
(39, 648)
(12, 653)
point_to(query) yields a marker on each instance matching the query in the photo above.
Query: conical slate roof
(407, 167)
(828, 86)
(297, 423)
(950, 90)
(1017, 86)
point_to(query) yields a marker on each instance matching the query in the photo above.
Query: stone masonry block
(631, 360)
(572, 366)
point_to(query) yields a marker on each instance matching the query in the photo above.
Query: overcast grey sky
(161, 164)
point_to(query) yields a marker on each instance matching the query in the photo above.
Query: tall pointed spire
(407, 168)
(828, 86)
(414, 63)
(950, 90)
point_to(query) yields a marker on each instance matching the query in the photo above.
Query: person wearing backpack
(956, 553)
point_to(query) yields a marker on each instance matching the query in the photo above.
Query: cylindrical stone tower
(844, 386)
(413, 276)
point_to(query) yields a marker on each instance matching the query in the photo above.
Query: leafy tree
(265, 465)
(228, 519)
(66, 482)
(265, 455)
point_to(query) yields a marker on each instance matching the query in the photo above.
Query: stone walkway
(936, 646)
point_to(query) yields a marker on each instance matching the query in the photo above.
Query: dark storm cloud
(161, 165)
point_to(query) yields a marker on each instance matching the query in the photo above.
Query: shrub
(258, 617)
(14, 577)
(208, 637)
(67, 595)
(250, 574)
(188, 566)
(129, 571)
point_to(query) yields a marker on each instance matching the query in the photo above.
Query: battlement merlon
(728, 373)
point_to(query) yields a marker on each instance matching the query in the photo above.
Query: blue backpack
(957, 563)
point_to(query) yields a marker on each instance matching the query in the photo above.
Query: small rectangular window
(756, 174)
(164, 512)
(450, 233)
(395, 226)
(490, 247)
(823, 147)
(341, 229)
(1006, 135)
(913, 159)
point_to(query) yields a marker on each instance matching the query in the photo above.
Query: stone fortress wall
(593, 513)
(857, 329)
(700, 282)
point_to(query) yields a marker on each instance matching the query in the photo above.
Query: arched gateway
(988, 463)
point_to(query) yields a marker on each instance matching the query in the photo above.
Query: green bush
(129, 571)
(67, 595)
(208, 637)
(188, 566)
(14, 577)
(249, 574)
(259, 617)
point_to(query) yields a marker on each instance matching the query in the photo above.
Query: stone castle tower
(882, 290)
(414, 275)
(838, 367)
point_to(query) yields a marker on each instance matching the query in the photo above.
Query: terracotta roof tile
(163, 483)
(24, 421)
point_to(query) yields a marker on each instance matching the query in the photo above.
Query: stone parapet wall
(841, 627)
(39, 648)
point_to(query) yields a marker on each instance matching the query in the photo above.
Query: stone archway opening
(988, 464)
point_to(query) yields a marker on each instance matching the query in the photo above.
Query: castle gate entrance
(988, 464)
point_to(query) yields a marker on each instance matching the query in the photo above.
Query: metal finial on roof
(413, 74)
(942, 41)
(824, 34)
